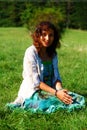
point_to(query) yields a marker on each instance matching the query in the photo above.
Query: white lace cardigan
(33, 72)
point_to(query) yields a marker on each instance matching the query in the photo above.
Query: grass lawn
(73, 70)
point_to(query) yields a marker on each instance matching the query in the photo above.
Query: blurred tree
(35, 13)
(67, 13)
(10, 13)
(78, 17)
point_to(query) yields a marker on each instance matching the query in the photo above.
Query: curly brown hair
(46, 25)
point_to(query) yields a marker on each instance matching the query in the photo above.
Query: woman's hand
(64, 96)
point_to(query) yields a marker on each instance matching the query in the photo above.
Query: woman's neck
(43, 50)
(43, 55)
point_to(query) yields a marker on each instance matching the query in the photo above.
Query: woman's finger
(67, 100)
(67, 96)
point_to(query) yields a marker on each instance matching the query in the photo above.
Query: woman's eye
(51, 35)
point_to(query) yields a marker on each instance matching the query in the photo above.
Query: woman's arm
(62, 94)
(30, 71)
(47, 88)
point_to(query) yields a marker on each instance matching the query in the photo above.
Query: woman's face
(47, 37)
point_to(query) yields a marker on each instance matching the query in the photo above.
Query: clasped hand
(64, 96)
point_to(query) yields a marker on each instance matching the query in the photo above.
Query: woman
(41, 88)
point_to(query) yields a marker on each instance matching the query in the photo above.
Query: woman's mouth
(47, 43)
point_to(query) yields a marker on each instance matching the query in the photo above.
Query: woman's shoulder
(30, 53)
(30, 50)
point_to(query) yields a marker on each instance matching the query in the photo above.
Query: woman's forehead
(49, 30)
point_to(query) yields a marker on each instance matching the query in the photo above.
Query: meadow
(73, 69)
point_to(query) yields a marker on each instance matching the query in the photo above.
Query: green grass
(73, 69)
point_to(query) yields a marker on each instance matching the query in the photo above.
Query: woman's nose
(47, 37)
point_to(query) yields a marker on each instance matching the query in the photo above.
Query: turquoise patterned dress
(45, 102)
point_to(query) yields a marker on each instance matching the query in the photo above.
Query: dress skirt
(42, 101)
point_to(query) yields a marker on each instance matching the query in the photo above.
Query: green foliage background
(70, 13)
